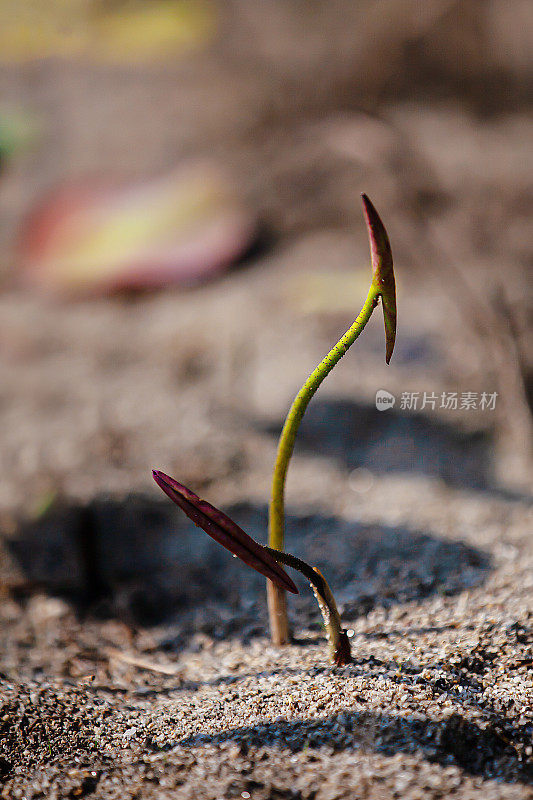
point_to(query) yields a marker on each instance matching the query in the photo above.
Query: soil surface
(435, 588)
(134, 657)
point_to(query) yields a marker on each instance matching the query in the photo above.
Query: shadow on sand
(488, 750)
(399, 441)
(146, 558)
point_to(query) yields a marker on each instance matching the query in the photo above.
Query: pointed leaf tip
(383, 271)
(226, 532)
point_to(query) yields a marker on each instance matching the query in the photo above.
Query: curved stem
(276, 521)
(338, 640)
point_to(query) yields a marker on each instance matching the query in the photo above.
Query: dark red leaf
(383, 270)
(224, 531)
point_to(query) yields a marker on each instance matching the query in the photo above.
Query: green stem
(276, 521)
(383, 285)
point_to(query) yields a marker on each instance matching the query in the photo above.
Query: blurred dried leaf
(95, 237)
(326, 292)
(121, 31)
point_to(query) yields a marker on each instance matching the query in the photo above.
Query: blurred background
(182, 239)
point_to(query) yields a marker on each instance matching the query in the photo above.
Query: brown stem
(337, 637)
(277, 612)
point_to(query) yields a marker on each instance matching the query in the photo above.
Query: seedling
(383, 286)
(267, 560)
(263, 559)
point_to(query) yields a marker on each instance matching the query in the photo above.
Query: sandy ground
(134, 661)
(143, 669)
(435, 587)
